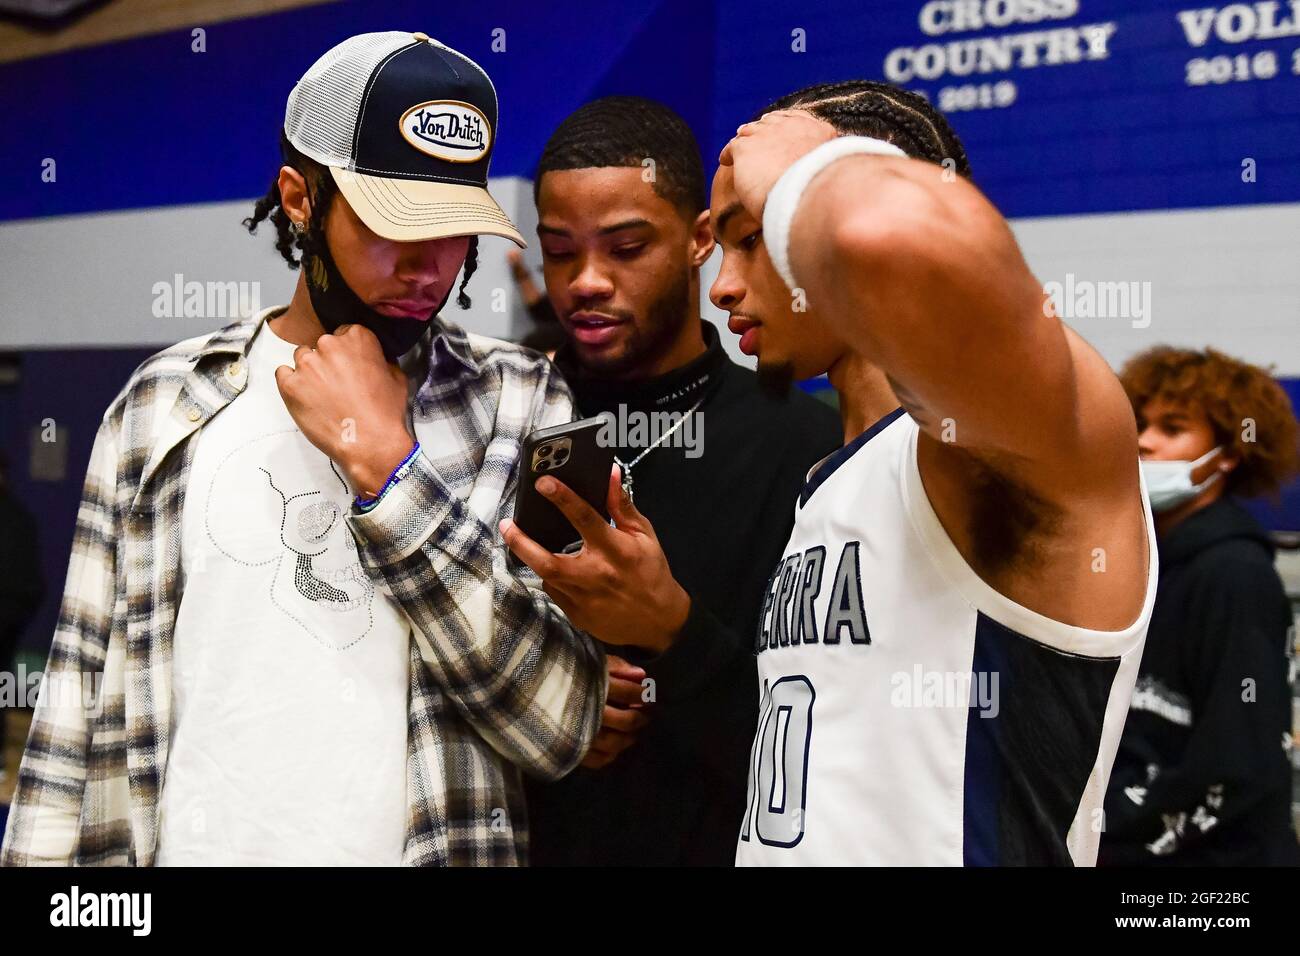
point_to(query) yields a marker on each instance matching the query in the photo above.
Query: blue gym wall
(147, 124)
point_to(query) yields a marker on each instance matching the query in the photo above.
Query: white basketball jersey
(910, 714)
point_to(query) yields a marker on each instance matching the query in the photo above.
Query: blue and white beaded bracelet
(364, 504)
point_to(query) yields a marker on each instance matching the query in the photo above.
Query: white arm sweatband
(783, 200)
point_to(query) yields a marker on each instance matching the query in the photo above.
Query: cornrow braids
(471, 263)
(626, 131)
(295, 247)
(881, 111)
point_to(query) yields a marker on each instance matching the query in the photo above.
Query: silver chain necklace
(627, 467)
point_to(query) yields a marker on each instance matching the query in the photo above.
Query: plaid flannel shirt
(500, 680)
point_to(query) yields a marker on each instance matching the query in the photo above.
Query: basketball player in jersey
(947, 649)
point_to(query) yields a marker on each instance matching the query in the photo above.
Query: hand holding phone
(617, 586)
(570, 453)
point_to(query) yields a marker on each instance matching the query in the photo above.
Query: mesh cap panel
(321, 116)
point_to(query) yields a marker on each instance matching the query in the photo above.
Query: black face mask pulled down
(336, 304)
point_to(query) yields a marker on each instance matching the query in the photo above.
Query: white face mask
(1169, 483)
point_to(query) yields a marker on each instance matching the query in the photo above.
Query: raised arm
(1028, 446)
(531, 683)
(916, 270)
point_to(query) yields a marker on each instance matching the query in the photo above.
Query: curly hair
(1231, 393)
(321, 190)
(881, 111)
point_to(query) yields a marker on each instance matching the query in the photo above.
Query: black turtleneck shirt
(677, 795)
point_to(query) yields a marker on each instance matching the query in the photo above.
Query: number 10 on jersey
(778, 764)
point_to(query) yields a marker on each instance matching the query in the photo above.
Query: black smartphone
(572, 454)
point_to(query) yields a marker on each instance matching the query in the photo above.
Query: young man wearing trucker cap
(287, 590)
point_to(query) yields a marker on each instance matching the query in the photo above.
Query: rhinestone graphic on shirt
(277, 502)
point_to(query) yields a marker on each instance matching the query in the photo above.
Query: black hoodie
(1202, 776)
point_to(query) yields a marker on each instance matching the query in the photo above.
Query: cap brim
(411, 210)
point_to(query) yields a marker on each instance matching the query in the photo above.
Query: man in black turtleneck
(624, 230)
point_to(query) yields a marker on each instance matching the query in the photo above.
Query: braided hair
(321, 189)
(626, 131)
(881, 111)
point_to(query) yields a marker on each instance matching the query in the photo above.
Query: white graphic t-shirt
(290, 667)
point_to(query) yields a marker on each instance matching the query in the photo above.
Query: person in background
(1202, 776)
(664, 783)
(21, 585)
(546, 334)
